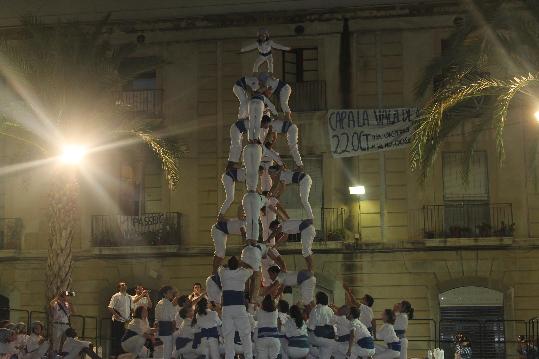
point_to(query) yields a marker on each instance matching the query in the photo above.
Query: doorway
(478, 313)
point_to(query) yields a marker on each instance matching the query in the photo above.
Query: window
(153, 186)
(300, 65)
(476, 189)
(129, 197)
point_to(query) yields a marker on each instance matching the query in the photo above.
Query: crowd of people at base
(223, 322)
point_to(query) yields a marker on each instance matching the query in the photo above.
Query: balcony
(145, 103)
(332, 229)
(308, 96)
(10, 233)
(151, 229)
(468, 220)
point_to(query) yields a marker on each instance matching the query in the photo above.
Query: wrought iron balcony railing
(468, 220)
(308, 96)
(10, 233)
(144, 230)
(146, 103)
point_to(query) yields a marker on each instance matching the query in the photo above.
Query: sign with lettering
(356, 132)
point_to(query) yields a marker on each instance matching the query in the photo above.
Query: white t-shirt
(142, 302)
(291, 226)
(320, 315)
(291, 330)
(122, 303)
(234, 279)
(387, 334)
(342, 325)
(210, 320)
(360, 330)
(252, 255)
(401, 321)
(165, 311)
(58, 315)
(289, 279)
(266, 319)
(139, 326)
(73, 346)
(366, 315)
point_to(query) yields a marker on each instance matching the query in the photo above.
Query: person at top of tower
(264, 45)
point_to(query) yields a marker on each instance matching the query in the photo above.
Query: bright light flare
(536, 115)
(357, 190)
(73, 154)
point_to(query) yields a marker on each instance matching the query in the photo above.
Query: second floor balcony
(308, 96)
(146, 103)
(468, 220)
(150, 229)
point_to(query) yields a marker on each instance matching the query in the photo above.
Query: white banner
(356, 132)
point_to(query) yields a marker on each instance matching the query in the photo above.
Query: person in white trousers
(361, 343)
(237, 130)
(281, 178)
(268, 344)
(290, 130)
(137, 333)
(264, 46)
(220, 232)
(343, 328)
(304, 280)
(321, 327)
(234, 314)
(165, 313)
(304, 227)
(403, 312)
(209, 322)
(282, 91)
(184, 336)
(257, 106)
(214, 290)
(392, 347)
(252, 203)
(229, 179)
(296, 334)
(241, 89)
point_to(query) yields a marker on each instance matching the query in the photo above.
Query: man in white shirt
(235, 316)
(61, 310)
(141, 298)
(165, 317)
(120, 309)
(304, 227)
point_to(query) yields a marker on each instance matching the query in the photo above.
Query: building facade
(401, 240)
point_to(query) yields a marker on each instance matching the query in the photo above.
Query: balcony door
(466, 203)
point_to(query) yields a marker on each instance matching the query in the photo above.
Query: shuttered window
(455, 189)
(153, 187)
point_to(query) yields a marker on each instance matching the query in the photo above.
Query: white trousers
(359, 352)
(268, 348)
(244, 101)
(219, 241)
(135, 345)
(168, 346)
(256, 110)
(404, 348)
(284, 96)
(292, 140)
(236, 138)
(260, 60)
(383, 352)
(213, 292)
(252, 155)
(340, 350)
(304, 191)
(297, 353)
(307, 239)
(230, 189)
(236, 318)
(325, 346)
(58, 331)
(251, 206)
(209, 347)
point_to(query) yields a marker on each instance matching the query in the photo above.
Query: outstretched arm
(249, 47)
(273, 254)
(278, 46)
(282, 212)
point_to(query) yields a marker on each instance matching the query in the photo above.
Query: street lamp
(73, 154)
(536, 115)
(358, 191)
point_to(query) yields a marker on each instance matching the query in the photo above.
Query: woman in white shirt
(387, 333)
(268, 345)
(137, 332)
(403, 311)
(361, 343)
(184, 336)
(320, 324)
(209, 322)
(295, 331)
(36, 345)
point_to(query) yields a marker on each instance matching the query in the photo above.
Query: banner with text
(356, 132)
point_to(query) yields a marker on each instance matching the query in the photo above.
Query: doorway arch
(478, 313)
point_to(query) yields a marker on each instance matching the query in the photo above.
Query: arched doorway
(4, 308)
(478, 313)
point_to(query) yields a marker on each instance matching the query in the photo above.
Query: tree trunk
(63, 215)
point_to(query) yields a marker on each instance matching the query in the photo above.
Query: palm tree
(492, 61)
(64, 83)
